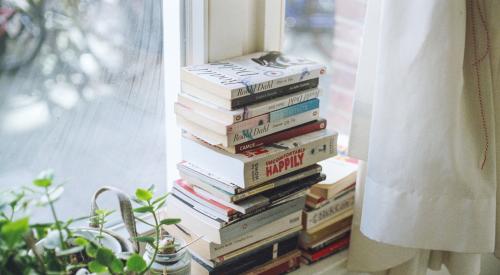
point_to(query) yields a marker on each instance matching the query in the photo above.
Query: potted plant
(64, 249)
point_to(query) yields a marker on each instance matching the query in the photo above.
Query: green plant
(148, 205)
(61, 251)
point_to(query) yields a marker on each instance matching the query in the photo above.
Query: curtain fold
(424, 127)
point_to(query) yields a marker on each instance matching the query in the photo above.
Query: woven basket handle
(125, 211)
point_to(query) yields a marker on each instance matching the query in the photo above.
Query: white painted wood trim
(196, 31)
(172, 55)
(274, 25)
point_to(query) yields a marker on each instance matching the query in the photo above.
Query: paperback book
(244, 135)
(253, 78)
(263, 164)
(229, 117)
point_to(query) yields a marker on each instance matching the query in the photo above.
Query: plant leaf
(13, 232)
(44, 179)
(116, 266)
(91, 250)
(157, 200)
(42, 182)
(80, 241)
(104, 256)
(96, 267)
(145, 239)
(144, 209)
(170, 221)
(136, 263)
(143, 194)
(160, 205)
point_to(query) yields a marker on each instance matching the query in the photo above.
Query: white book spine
(332, 208)
(235, 138)
(251, 223)
(254, 88)
(279, 103)
(265, 231)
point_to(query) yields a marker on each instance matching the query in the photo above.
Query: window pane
(90, 105)
(330, 32)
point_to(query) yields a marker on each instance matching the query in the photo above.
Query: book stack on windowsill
(329, 208)
(252, 136)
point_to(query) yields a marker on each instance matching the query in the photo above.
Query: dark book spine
(273, 93)
(257, 257)
(281, 192)
(283, 135)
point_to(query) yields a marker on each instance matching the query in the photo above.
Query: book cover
(263, 164)
(248, 75)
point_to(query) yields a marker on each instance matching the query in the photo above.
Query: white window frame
(199, 31)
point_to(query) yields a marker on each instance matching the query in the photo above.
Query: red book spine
(286, 134)
(334, 247)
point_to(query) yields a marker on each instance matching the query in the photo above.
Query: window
(329, 32)
(91, 103)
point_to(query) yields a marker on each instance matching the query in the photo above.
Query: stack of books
(327, 217)
(252, 137)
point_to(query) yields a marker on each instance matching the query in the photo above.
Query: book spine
(279, 103)
(268, 230)
(294, 110)
(317, 216)
(279, 136)
(274, 116)
(249, 123)
(251, 89)
(205, 176)
(307, 239)
(247, 225)
(261, 170)
(330, 250)
(245, 135)
(273, 93)
(284, 264)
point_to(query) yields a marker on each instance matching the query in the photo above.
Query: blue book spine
(294, 110)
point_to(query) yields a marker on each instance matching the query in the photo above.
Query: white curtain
(424, 126)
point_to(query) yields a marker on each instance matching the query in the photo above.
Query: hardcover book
(255, 77)
(263, 164)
